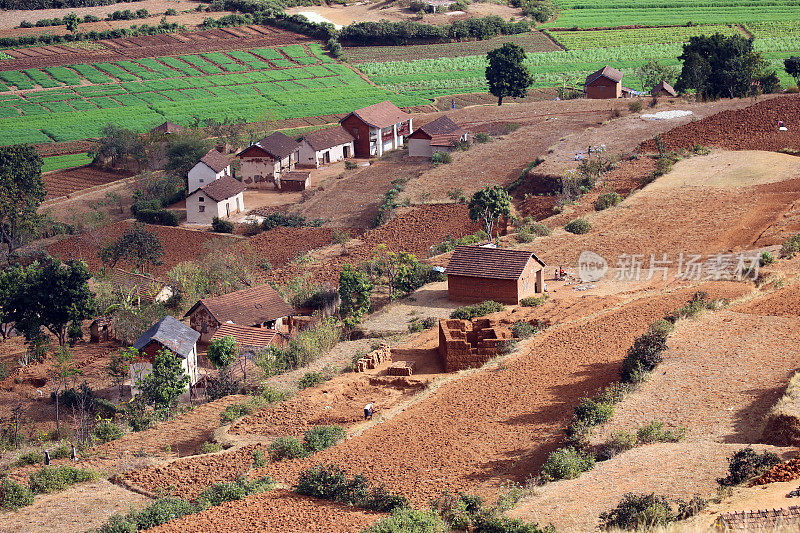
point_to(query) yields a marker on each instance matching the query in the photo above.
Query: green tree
(166, 382)
(10, 280)
(183, 152)
(62, 372)
(71, 21)
(652, 73)
(396, 266)
(717, 66)
(488, 205)
(118, 144)
(222, 352)
(792, 67)
(354, 290)
(51, 295)
(137, 246)
(21, 192)
(507, 74)
(118, 365)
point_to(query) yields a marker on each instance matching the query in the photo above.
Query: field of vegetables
(76, 101)
(581, 39)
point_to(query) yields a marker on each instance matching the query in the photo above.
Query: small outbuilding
(221, 198)
(293, 181)
(478, 273)
(175, 336)
(440, 135)
(101, 330)
(325, 146)
(663, 89)
(605, 83)
(377, 128)
(167, 128)
(211, 167)
(264, 161)
(260, 306)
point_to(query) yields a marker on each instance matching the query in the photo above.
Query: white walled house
(211, 167)
(221, 198)
(325, 146)
(440, 135)
(263, 162)
(377, 128)
(171, 334)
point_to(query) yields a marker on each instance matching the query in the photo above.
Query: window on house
(201, 209)
(201, 180)
(200, 199)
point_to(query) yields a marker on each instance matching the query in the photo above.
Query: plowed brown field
(66, 182)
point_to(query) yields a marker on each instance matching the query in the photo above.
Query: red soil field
(281, 245)
(751, 128)
(179, 244)
(66, 182)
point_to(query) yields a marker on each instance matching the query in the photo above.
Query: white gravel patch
(666, 115)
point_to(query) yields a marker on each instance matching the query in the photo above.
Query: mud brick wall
(472, 290)
(384, 353)
(469, 344)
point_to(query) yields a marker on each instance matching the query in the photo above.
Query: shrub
(791, 246)
(746, 464)
(690, 508)
(606, 200)
(468, 312)
(655, 432)
(329, 482)
(566, 463)
(320, 437)
(258, 459)
(593, 412)
(273, 220)
(271, 395)
(220, 493)
(311, 379)
(252, 229)
(383, 501)
(162, 511)
(31, 458)
(54, 478)
(234, 411)
(533, 301)
(286, 448)
(523, 330)
(614, 393)
(210, 447)
(162, 217)
(14, 496)
(482, 137)
(766, 258)
(440, 158)
(350, 165)
(645, 354)
(638, 511)
(619, 442)
(62, 451)
(106, 431)
(579, 226)
(635, 106)
(529, 230)
(221, 226)
(407, 520)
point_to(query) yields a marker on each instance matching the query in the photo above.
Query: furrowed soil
(67, 182)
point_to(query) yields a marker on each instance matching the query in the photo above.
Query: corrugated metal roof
(172, 334)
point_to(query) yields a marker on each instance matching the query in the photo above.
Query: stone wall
(469, 344)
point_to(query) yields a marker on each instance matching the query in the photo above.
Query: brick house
(175, 336)
(440, 135)
(325, 146)
(260, 306)
(294, 181)
(220, 198)
(211, 167)
(264, 161)
(605, 83)
(377, 128)
(663, 89)
(477, 273)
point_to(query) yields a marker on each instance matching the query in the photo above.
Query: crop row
(578, 40)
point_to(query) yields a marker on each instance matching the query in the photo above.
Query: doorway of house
(346, 152)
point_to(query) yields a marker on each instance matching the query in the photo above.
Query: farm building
(325, 146)
(295, 180)
(175, 336)
(167, 128)
(211, 167)
(377, 128)
(605, 83)
(441, 135)
(221, 198)
(250, 339)
(477, 273)
(663, 89)
(101, 330)
(264, 161)
(259, 306)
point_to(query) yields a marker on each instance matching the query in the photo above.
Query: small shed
(295, 180)
(663, 89)
(478, 273)
(264, 161)
(259, 306)
(167, 128)
(325, 146)
(221, 198)
(101, 330)
(211, 167)
(175, 336)
(440, 135)
(605, 83)
(377, 128)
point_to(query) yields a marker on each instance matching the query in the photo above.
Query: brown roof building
(223, 188)
(249, 339)
(221, 198)
(663, 89)
(478, 273)
(263, 162)
(215, 160)
(377, 128)
(326, 146)
(605, 83)
(167, 128)
(259, 306)
(440, 135)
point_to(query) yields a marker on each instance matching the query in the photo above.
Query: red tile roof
(222, 189)
(495, 263)
(246, 336)
(247, 307)
(664, 86)
(606, 72)
(441, 126)
(381, 115)
(328, 138)
(215, 161)
(278, 145)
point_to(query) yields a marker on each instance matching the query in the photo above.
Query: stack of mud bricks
(401, 368)
(469, 344)
(384, 353)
